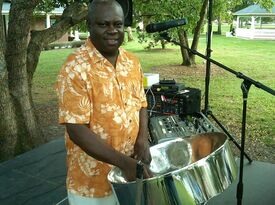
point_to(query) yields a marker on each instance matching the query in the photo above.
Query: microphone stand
(245, 86)
(208, 55)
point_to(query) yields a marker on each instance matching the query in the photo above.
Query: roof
(6, 9)
(255, 10)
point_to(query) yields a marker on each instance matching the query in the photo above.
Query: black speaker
(127, 6)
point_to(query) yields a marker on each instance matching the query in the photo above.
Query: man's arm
(143, 123)
(141, 148)
(94, 146)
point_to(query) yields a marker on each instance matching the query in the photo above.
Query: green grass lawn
(253, 58)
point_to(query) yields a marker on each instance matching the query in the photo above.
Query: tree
(19, 55)
(163, 10)
(222, 10)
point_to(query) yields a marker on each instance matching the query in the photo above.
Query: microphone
(157, 27)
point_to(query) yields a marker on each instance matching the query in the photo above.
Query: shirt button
(130, 121)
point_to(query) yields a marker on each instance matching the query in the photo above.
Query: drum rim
(187, 167)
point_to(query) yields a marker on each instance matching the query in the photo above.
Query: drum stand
(245, 86)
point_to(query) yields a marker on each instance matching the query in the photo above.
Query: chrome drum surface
(186, 171)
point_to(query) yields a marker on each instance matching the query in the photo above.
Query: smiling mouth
(112, 41)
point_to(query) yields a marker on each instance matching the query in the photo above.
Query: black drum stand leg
(245, 88)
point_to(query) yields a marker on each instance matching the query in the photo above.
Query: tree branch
(72, 15)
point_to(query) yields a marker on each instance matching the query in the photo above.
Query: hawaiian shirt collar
(97, 56)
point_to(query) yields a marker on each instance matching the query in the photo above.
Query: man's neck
(111, 58)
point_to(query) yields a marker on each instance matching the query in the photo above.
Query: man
(103, 106)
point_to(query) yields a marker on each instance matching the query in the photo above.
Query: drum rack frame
(245, 86)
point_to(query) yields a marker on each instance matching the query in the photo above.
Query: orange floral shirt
(91, 91)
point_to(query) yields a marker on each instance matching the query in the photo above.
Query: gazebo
(255, 22)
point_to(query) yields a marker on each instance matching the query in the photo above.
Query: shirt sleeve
(142, 92)
(74, 102)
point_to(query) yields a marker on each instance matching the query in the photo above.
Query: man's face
(107, 28)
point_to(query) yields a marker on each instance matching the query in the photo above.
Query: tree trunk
(19, 127)
(184, 52)
(8, 129)
(130, 34)
(197, 30)
(219, 31)
(163, 43)
(16, 54)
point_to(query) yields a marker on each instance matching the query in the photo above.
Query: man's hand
(130, 170)
(142, 150)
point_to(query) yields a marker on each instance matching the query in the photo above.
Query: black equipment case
(184, 102)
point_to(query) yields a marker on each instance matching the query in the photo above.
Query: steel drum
(186, 171)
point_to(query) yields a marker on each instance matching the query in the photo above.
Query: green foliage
(45, 6)
(223, 9)
(267, 4)
(82, 27)
(152, 40)
(164, 10)
(48, 5)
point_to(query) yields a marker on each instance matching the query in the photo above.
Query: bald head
(96, 6)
